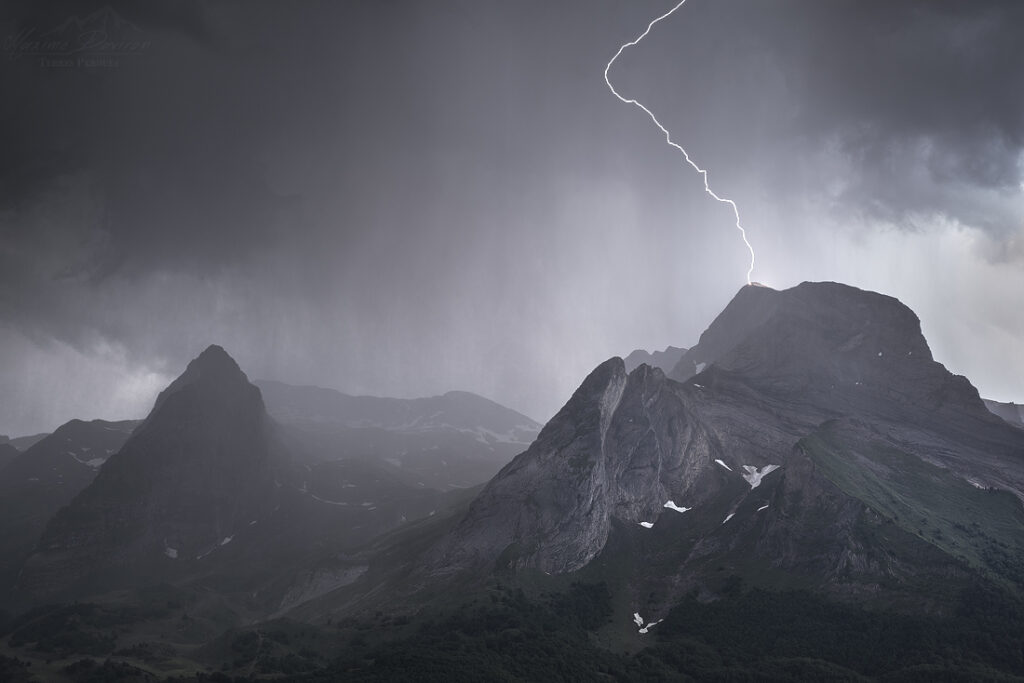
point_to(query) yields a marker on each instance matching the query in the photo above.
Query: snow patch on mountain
(645, 629)
(324, 500)
(639, 621)
(754, 475)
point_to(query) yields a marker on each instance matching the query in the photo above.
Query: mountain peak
(198, 470)
(830, 316)
(830, 344)
(215, 371)
(215, 359)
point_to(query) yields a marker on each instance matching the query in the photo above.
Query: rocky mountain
(807, 495)
(194, 474)
(1011, 412)
(819, 443)
(446, 442)
(36, 483)
(207, 490)
(663, 360)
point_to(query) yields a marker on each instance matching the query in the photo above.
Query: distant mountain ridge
(1011, 412)
(454, 410)
(664, 360)
(455, 440)
(24, 442)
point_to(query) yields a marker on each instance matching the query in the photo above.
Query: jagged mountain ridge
(794, 386)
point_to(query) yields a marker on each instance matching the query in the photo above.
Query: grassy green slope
(982, 527)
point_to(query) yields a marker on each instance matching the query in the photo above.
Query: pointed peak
(215, 369)
(609, 368)
(214, 358)
(214, 363)
(609, 376)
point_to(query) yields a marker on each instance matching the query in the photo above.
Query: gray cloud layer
(403, 198)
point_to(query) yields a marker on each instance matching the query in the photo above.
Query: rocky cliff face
(759, 455)
(627, 448)
(196, 472)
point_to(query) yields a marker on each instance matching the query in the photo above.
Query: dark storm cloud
(919, 100)
(110, 174)
(410, 197)
(932, 85)
(53, 124)
(162, 141)
(246, 129)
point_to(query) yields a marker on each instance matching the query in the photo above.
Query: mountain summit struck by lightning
(668, 136)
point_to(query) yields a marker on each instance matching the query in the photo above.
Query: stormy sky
(402, 198)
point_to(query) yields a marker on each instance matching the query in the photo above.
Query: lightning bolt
(668, 136)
